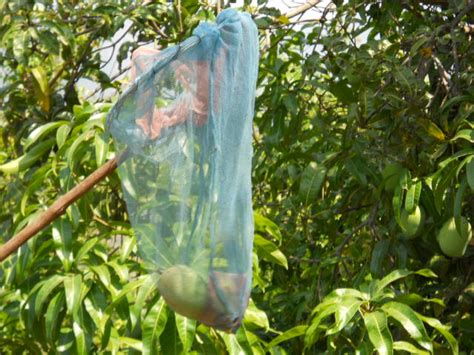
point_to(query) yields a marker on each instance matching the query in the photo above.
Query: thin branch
(300, 9)
(367, 222)
(59, 206)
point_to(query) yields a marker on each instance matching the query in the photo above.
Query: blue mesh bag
(186, 125)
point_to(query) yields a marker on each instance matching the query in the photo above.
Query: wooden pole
(59, 206)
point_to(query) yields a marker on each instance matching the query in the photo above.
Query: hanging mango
(186, 123)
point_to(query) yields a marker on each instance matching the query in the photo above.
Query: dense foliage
(362, 152)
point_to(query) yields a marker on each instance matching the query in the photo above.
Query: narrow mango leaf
(27, 159)
(269, 251)
(72, 288)
(101, 148)
(71, 152)
(379, 256)
(153, 326)
(243, 339)
(265, 225)
(145, 290)
(409, 348)
(126, 290)
(41, 86)
(45, 291)
(347, 292)
(453, 157)
(458, 202)
(395, 275)
(379, 334)
(314, 331)
(344, 315)
(232, 345)
(103, 274)
(62, 236)
(52, 315)
(42, 131)
(80, 338)
(397, 203)
(409, 320)
(431, 128)
(470, 173)
(412, 197)
(186, 329)
(131, 343)
(443, 329)
(311, 181)
(256, 317)
(283, 19)
(467, 134)
(62, 134)
(291, 333)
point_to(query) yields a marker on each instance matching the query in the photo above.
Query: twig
(367, 222)
(300, 9)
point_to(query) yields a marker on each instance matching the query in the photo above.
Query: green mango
(189, 294)
(450, 241)
(184, 290)
(412, 223)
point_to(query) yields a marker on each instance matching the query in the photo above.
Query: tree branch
(300, 9)
(60, 206)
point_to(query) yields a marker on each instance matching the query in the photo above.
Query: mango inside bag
(186, 122)
(191, 295)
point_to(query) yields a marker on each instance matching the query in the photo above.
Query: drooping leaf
(379, 334)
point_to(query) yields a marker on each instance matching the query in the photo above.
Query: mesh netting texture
(186, 124)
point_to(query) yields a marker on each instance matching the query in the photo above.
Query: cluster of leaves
(343, 92)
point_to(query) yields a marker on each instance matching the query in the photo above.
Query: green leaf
(145, 290)
(186, 329)
(269, 251)
(62, 134)
(45, 291)
(379, 256)
(470, 173)
(291, 333)
(409, 348)
(42, 131)
(432, 129)
(397, 202)
(457, 208)
(311, 181)
(101, 148)
(62, 236)
(72, 289)
(71, 152)
(233, 346)
(409, 320)
(27, 159)
(412, 197)
(467, 134)
(51, 320)
(443, 329)
(395, 275)
(131, 343)
(379, 334)
(322, 311)
(255, 317)
(289, 100)
(153, 325)
(79, 337)
(347, 292)
(265, 225)
(345, 313)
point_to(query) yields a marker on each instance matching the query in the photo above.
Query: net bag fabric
(186, 124)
